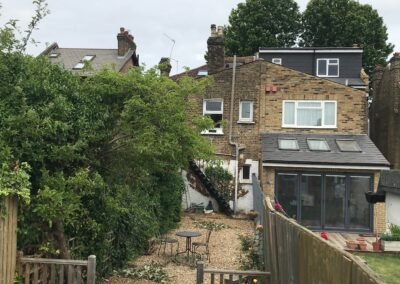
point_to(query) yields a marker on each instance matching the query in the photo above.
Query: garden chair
(196, 245)
(164, 241)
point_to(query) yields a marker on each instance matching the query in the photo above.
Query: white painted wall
(245, 203)
(393, 208)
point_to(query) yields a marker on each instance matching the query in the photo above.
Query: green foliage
(15, 181)
(345, 22)
(250, 258)
(210, 225)
(221, 179)
(105, 154)
(393, 234)
(154, 272)
(262, 23)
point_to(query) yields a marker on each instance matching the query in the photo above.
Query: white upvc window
(309, 114)
(214, 108)
(246, 111)
(328, 67)
(277, 61)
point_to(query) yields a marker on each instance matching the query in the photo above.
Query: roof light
(202, 73)
(88, 58)
(79, 66)
(288, 144)
(348, 145)
(53, 55)
(318, 145)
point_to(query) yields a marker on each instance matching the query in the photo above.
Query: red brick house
(304, 137)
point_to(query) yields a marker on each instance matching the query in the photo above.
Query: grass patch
(387, 266)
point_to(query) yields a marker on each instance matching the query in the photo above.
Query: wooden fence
(60, 271)
(8, 239)
(294, 254)
(230, 276)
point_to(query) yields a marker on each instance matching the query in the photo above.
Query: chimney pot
(121, 29)
(213, 30)
(396, 55)
(165, 66)
(355, 45)
(131, 37)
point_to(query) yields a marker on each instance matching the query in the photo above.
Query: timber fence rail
(8, 238)
(229, 276)
(57, 271)
(294, 254)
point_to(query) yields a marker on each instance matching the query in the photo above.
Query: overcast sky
(155, 24)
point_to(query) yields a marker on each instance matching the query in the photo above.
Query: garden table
(188, 235)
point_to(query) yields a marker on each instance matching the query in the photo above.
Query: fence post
(200, 272)
(91, 270)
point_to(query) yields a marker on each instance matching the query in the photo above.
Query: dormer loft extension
(339, 64)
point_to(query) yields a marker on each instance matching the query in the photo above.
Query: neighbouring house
(120, 59)
(304, 137)
(385, 110)
(389, 183)
(342, 65)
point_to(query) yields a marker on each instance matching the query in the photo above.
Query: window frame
(277, 59)
(318, 150)
(217, 130)
(358, 150)
(288, 149)
(327, 67)
(244, 119)
(242, 179)
(295, 125)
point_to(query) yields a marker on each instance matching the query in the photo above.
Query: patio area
(224, 248)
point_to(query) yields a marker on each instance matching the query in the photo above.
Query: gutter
(236, 145)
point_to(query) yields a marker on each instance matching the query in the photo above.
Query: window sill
(327, 76)
(245, 181)
(212, 133)
(310, 127)
(245, 122)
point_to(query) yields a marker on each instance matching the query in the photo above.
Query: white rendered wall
(245, 203)
(393, 208)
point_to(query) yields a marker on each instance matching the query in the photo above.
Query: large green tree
(342, 23)
(104, 153)
(262, 23)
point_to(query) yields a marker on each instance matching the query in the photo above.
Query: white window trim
(306, 126)
(243, 119)
(215, 131)
(327, 67)
(277, 61)
(241, 179)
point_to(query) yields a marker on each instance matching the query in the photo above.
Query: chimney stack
(125, 42)
(216, 50)
(165, 66)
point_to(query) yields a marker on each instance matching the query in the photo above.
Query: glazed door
(359, 210)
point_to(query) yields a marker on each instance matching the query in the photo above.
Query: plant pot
(376, 246)
(351, 244)
(361, 240)
(375, 197)
(390, 245)
(362, 246)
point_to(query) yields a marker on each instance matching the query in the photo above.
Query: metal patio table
(188, 235)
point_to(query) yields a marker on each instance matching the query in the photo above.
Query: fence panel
(8, 238)
(297, 255)
(44, 270)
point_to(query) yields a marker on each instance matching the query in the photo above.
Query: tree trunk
(59, 237)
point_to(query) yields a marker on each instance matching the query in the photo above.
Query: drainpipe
(237, 147)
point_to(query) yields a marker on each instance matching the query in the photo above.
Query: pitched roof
(390, 181)
(69, 57)
(369, 156)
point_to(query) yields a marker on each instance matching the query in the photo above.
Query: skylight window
(318, 145)
(288, 144)
(88, 58)
(54, 55)
(79, 66)
(348, 145)
(202, 73)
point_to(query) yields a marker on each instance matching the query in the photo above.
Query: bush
(393, 234)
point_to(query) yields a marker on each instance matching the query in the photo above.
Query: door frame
(323, 174)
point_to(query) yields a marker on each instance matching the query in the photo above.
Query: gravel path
(224, 249)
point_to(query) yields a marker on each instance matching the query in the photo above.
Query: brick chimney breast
(216, 50)
(125, 42)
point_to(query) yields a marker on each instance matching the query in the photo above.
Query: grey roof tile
(69, 57)
(369, 155)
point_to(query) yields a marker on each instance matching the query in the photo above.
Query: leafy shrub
(154, 272)
(210, 225)
(393, 234)
(249, 259)
(221, 179)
